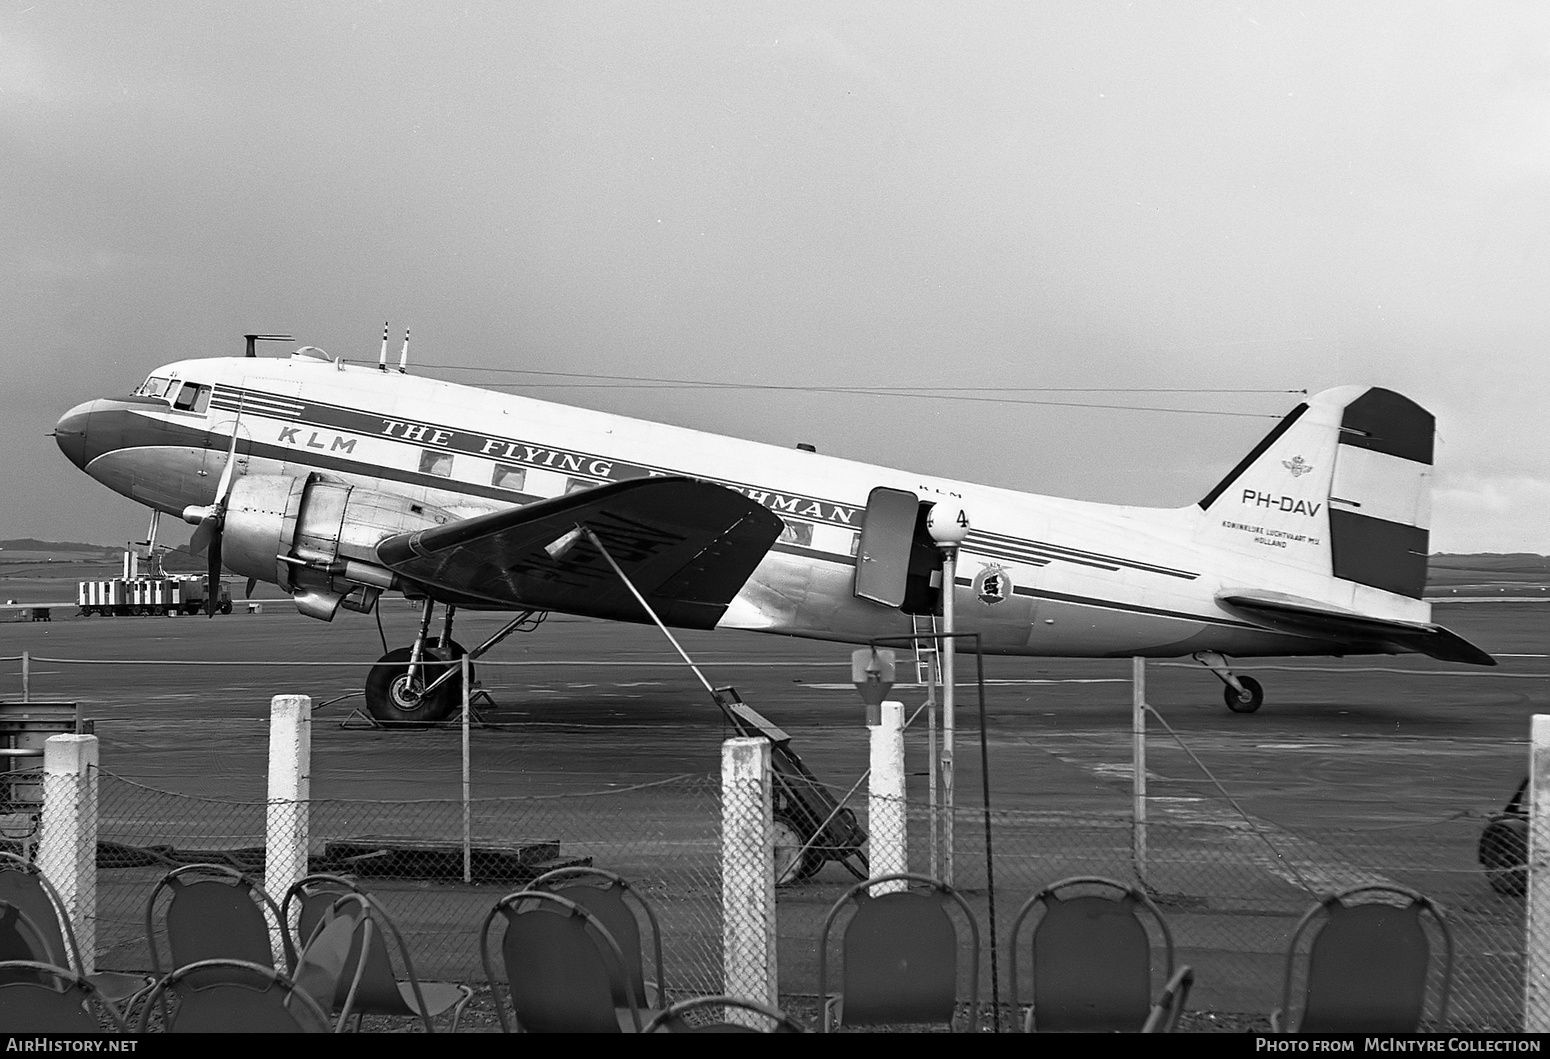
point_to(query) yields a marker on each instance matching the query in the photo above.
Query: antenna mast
(382, 357)
(252, 339)
(403, 356)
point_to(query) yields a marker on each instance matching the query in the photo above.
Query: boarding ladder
(927, 658)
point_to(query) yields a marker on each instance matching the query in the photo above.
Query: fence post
(748, 871)
(67, 845)
(290, 788)
(1536, 950)
(888, 850)
(1138, 762)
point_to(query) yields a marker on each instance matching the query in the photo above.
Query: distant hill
(30, 544)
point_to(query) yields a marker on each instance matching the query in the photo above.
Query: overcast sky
(1260, 197)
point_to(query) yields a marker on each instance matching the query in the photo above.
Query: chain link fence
(436, 892)
(1232, 886)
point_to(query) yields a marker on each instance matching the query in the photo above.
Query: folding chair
(902, 952)
(1368, 966)
(619, 906)
(381, 992)
(684, 1017)
(1093, 959)
(24, 885)
(232, 996)
(40, 997)
(561, 965)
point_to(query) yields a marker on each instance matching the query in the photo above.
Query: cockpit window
(192, 398)
(155, 386)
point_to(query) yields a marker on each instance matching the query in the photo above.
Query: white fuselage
(1078, 578)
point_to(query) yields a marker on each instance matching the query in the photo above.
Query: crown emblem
(1297, 466)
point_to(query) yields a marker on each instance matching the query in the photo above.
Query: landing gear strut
(1242, 694)
(414, 687)
(419, 685)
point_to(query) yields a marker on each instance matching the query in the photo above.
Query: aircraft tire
(1237, 704)
(395, 705)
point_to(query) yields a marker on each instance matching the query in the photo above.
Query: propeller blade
(252, 584)
(202, 535)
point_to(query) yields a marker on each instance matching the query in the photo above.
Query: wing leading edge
(1307, 618)
(688, 546)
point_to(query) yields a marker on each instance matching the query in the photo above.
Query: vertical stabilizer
(1341, 487)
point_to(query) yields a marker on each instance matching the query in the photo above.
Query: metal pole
(932, 780)
(1138, 762)
(949, 577)
(26, 676)
(468, 816)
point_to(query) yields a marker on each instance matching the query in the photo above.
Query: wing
(1309, 618)
(688, 546)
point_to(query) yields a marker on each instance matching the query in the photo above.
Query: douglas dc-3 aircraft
(339, 482)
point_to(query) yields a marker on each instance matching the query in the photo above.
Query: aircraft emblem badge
(1297, 466)
(992, 584)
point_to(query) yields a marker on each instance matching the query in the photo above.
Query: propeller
(209, 522)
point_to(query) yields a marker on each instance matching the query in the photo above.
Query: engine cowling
(316, 538)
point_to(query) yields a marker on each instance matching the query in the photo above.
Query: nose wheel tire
(1239, 702)
(395, 701)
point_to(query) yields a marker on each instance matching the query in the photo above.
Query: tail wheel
(397, 702)
(1246, 701)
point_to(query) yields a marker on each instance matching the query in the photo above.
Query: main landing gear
(422, 684)
(1242, 694)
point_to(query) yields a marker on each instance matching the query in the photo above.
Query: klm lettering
(1255, 498)
(339, 444)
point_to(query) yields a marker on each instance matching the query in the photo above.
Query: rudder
(1340, 487)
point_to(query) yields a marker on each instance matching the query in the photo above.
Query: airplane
(339, 482)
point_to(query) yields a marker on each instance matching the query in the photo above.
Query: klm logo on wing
(1297, 466)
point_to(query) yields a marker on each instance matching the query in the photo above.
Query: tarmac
(578, 706)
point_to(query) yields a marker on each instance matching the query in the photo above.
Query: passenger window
(509, 477)
(797, 533)
(433, 461)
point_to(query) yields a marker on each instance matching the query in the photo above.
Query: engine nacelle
(316, 538)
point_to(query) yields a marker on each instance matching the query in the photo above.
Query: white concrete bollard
(748, 871)
(290, 792)
(1536, 971)
(67, 844)
(887, 821)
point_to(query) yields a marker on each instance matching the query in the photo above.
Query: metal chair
(1093, 958)
(329, 966)
(680, 1017)
(24, 885)
(561, 965)
(232, 996)
(38, 997)
(381, 991)
(210, 912)
(1369, 965)
(21, 939)
(902, 952)
(619, 906)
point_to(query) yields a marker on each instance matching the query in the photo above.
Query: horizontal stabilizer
(688, 546)
(1284, 613)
